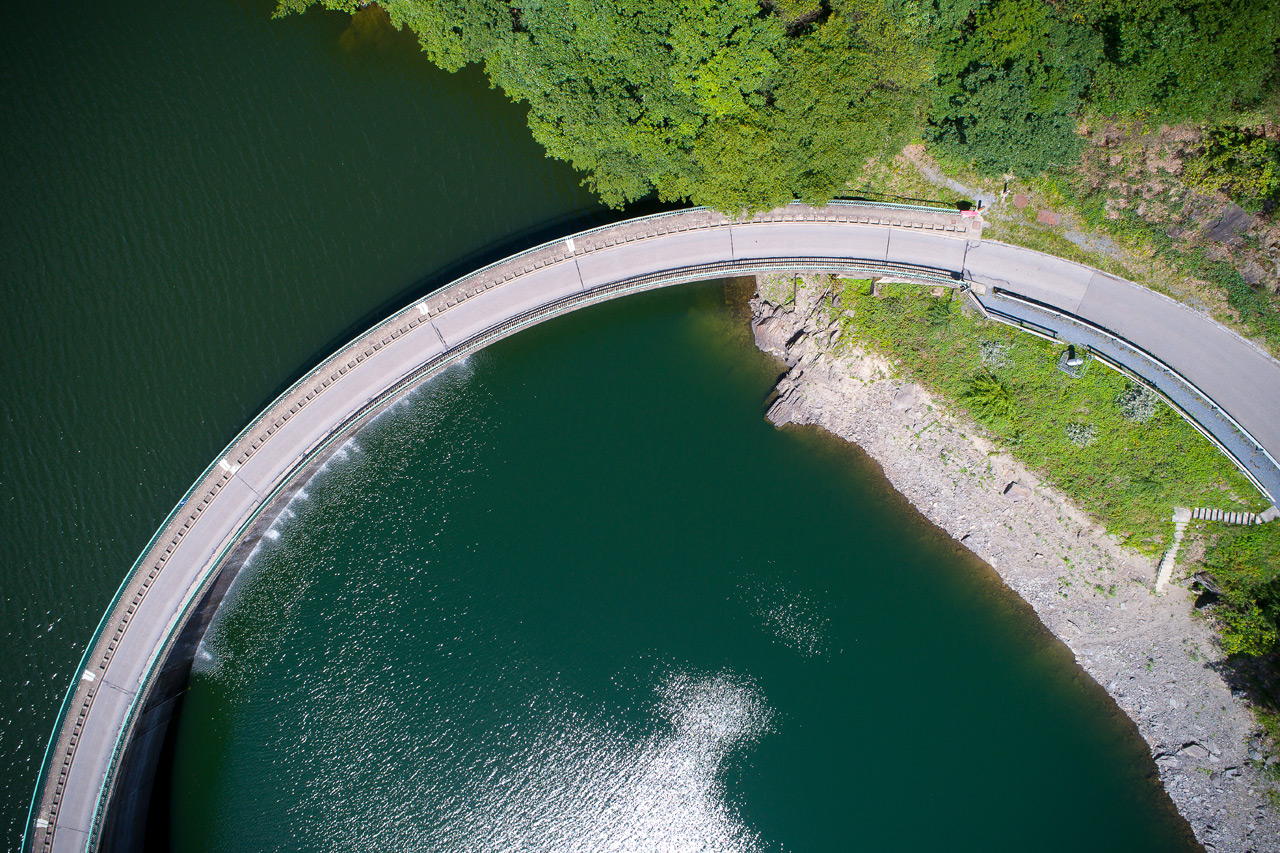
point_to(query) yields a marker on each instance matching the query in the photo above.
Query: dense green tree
(623, 93)
(842, 93)
(1015, 76)
(726, 102)
(1178, 60)
(744, 104)
(1011, 80)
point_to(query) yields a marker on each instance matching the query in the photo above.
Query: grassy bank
(1128, 209)
(1120, 454)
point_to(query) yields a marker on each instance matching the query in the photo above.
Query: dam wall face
(97, 782)
(126, 825)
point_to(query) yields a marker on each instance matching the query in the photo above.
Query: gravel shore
(1151, 654)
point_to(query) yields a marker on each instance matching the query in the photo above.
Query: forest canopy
(744, 104)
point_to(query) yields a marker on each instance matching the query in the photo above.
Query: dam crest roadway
(95, 785)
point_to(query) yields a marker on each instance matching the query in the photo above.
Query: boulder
(1194, 750)
(785, 410)
(906, 398)
(772, 335)
(1207, 582)
(1015, 491)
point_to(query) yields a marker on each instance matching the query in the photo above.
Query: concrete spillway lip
(95, 782)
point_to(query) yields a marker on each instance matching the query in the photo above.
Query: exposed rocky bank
(1155, 658)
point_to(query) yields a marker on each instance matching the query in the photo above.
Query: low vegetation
(1113, 446)
(1118, 450)
(743, 104)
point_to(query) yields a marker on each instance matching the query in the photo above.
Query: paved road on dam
(103, 707)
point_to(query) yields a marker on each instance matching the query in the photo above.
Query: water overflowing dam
(95, 786)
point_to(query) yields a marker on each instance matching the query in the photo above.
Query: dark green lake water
(579, 595)
(576, 575)
(197, 203)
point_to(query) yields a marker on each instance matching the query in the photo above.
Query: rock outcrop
(1152, 656)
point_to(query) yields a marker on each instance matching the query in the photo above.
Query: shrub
(1246, 631)
(1240, 163)
(938, 314)
(1082, 435)
(1246, 563)
(988, 398)
(1138, 403)
(1147, 485)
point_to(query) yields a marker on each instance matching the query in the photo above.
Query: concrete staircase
(1204, 514)
(1182, 516)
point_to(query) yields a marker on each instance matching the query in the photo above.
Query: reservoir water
(579, 595)
(575, 593)
(198, 203)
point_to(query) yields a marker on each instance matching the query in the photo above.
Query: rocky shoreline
(1150, 653)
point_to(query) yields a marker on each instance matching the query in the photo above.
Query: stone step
(1165, 570)
(1225, 516)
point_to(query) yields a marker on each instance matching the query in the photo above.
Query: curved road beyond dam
(95, 786)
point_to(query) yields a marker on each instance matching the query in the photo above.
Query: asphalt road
(553, 279)
(1236, 375)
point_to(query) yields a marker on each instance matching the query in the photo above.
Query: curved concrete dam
(95, 786)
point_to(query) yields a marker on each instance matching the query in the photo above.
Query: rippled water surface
(577, 595)
(197, 202)
(573, 595)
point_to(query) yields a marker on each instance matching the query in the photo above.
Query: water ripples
(564, 779)
(792, 618)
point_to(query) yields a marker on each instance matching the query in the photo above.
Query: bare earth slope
(1149, 652)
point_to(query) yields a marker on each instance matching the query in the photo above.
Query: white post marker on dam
(90, 789)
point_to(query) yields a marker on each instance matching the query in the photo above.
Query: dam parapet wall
(96, 781)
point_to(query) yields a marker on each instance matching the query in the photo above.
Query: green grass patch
(1246, 562)
(1074, 432)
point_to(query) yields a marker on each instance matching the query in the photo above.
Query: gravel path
(1149, 652)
